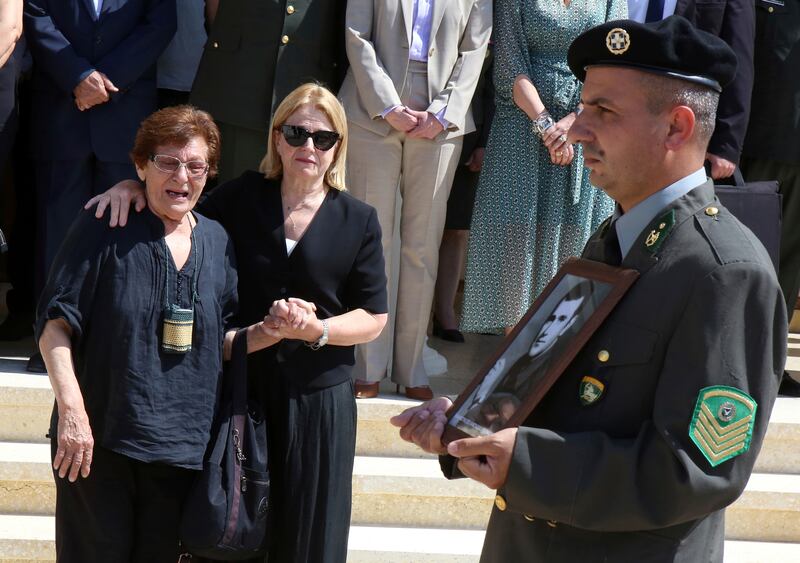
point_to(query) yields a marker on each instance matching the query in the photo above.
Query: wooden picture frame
(543, 343)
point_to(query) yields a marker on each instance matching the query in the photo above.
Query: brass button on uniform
(711, 211)
(500, 503)
(603, 356)
(215, 45)
(552, 523)
(290, 9)
(528, 517)
(770, 9)
(285, 39)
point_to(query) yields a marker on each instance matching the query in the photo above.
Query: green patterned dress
(530, 215)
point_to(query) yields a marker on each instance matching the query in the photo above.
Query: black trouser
(788, 177)
(126, 511)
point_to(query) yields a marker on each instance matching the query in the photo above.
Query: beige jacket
(377, 38)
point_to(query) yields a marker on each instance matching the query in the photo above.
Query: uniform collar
(631, 224)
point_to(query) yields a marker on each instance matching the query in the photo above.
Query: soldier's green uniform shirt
(641, 468)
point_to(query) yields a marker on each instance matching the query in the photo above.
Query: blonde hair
(320, 98)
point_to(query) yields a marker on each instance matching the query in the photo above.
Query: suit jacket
(620, 479)
(734, 22)
(377, 39)
(774, 129)
(68, 41)
(247, 70)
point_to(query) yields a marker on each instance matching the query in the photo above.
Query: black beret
(672, 47)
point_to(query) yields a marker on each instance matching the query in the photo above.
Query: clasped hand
(292, 318)
(555, 140)
(485, 459)
(416, 124)
(93, 90)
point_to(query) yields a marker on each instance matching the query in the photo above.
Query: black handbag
(758, 206)
(226, 512)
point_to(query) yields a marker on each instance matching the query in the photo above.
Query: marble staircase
(403, 509)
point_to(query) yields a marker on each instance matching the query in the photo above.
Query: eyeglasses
(170, 165)
(297, 137)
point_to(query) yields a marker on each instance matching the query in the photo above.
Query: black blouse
(108, 284)
(337, 265)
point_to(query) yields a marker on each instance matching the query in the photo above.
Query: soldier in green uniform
(654, 428)
(257, 52)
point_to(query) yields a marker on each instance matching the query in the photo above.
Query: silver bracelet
(542, 123)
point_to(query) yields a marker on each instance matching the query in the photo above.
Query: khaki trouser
(422, 170)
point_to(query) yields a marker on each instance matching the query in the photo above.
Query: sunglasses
(297, 136)
(171, 164)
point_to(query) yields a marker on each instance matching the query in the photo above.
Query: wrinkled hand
(296, 319)
(75, 445)
(401, 120)
(485, 459)
(119, 197)
(427, 125)
(423, 425)
(475, 161)
(720, 167)
(92, 90)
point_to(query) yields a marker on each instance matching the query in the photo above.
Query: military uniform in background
(258, 52)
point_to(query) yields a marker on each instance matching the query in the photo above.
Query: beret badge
(618, 41)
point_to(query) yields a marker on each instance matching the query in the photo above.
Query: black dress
(308, 396)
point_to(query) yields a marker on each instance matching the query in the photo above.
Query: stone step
(412, 492)
(26, 402)
(29, 539)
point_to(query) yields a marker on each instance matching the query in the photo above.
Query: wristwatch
(542, 123)
(323, 340)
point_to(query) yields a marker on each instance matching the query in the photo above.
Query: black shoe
(36, 364)
(16, 326)
(790, 387)
(449, 334)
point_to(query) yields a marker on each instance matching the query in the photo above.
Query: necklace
(311, 202)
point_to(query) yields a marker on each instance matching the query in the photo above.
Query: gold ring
(559, 153)
(563, 138)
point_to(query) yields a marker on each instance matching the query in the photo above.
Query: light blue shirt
(421, 30)
(98, 5)
(631, 224)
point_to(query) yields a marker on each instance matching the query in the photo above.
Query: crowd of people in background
(460, 142)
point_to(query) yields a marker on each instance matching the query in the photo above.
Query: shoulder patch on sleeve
(722, 424)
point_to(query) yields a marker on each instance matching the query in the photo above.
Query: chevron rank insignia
(722, 424)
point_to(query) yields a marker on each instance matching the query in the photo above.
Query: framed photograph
(541, 346)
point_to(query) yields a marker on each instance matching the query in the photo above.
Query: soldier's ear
(680, 128)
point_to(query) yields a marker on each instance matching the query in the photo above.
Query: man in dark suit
(772, 145)
(734, 22)
(258, 52)
(687, 365)
(94, 81)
